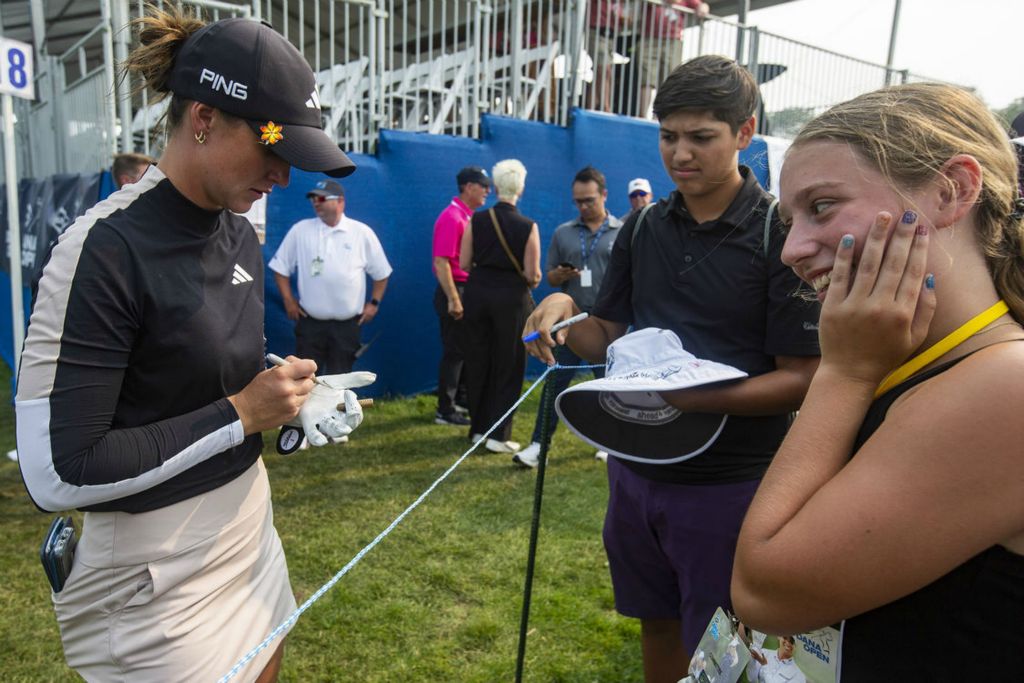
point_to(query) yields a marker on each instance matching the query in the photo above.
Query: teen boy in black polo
(696, 265)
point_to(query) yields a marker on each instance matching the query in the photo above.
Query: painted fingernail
(922, 230)
(929, 281)
(847, 241)
(908, 217)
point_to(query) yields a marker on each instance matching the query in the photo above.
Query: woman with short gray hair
(501, 252)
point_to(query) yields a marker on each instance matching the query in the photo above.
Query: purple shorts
(670, 547)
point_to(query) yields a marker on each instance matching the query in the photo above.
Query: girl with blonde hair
(896, 502)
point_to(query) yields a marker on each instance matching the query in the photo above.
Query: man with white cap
(704, 264)
(640, 195)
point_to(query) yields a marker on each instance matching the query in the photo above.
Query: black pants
(449, 371)
(495, 354)
(331, 343)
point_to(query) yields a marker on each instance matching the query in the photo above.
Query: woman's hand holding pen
(274, 396)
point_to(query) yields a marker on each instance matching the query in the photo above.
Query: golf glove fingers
(320, 418)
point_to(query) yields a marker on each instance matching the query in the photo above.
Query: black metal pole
(547, 405)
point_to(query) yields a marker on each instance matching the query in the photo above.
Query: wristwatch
(375, 302)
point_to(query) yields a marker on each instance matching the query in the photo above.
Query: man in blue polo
(576, 263)
(698, 264)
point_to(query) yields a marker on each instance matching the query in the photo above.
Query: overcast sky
(975, 44)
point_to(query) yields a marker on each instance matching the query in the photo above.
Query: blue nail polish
(909, 217)
(847, 241)
(929, 281)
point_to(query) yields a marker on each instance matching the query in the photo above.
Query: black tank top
(965, 626)
(491, 265)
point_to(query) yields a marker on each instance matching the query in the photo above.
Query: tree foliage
(786, 123)
(1010, 112)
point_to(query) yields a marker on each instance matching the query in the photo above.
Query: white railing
(437, 65)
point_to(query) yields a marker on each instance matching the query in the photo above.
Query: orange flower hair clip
(271, 133)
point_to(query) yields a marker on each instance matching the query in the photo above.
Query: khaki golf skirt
(180, 593)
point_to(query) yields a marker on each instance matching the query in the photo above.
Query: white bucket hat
(623, 413)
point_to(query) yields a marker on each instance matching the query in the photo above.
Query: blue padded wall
(400, 191)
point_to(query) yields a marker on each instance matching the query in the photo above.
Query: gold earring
(201, 137)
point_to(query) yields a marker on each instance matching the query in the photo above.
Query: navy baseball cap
(247, 69)
(473, 174)
(326, 188)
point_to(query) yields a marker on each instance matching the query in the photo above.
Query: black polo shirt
(711, 284)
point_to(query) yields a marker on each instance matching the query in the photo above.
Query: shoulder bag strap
(504, 245)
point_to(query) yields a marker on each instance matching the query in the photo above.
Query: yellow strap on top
(950, 341)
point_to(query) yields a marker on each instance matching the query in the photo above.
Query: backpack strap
(639, 222)
(768, 225)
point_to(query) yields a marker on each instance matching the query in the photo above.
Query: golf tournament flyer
(721, 655)
(730, 653)
(804, 658)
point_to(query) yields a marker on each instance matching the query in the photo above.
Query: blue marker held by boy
(535, 335)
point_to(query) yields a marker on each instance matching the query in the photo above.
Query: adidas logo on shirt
(240, 276)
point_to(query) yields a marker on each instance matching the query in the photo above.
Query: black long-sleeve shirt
(149, 314)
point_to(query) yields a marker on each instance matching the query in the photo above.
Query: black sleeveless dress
(965, 626)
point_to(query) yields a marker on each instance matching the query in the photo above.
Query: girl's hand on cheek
(873, 321)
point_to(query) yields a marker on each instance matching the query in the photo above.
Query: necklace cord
(943, 346)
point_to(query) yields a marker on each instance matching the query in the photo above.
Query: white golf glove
(320, 418)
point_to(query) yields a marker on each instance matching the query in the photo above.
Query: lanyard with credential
(584, 253)
(950, 341)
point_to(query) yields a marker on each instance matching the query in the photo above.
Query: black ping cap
(247, 69)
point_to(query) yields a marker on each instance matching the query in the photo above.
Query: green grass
(438, 600)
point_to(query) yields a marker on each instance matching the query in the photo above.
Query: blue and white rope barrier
(290, 621)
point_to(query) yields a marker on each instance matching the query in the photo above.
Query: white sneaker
(601, 455)
(528, 457)
(473, 438)
(495, 446)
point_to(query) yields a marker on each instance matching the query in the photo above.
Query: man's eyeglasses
(317, 199)
(584, 201)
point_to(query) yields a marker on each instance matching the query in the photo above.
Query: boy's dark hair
(589, 174)
(710, 83)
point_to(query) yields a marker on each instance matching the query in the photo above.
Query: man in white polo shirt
(332, 254)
